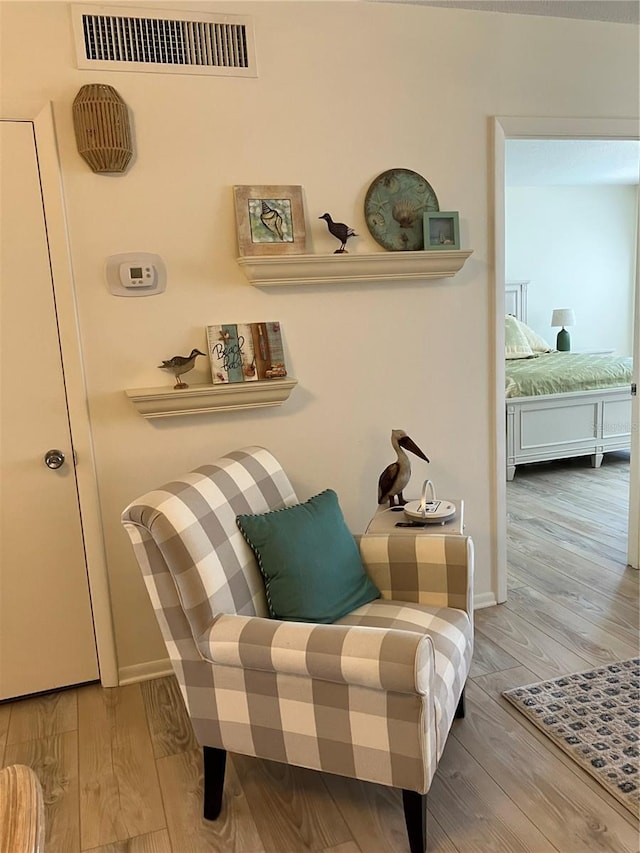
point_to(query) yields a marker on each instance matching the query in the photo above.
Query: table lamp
(563, 317)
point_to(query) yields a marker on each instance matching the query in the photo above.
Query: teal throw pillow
(309, 560)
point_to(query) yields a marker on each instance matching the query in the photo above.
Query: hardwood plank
(346, 847)
(373, 813)
(572, 495)
(495, 682)
(552, 796)
(181, 780)
(527, 644)
(618, 581)
(308, 816)
(558, 554)
(169, 723)
(577, 483)
(611, 613)
(488, 657)
(375, 818)
(119, 790)
(595, 524)
(575, 479)
(573, 631)
(153, 842)
(462, 791)
(437, 839)
(42, 716)
(513, 581)
(579, 538)
(54, 759)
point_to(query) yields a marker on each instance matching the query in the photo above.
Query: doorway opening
(539, 131)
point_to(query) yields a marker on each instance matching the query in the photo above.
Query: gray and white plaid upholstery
(371, 696)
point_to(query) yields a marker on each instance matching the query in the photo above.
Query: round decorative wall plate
(393, 209)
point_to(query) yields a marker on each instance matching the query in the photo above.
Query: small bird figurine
(180, 364)
(395, 477)
(339, 230)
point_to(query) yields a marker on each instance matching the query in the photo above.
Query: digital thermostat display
(136, 274)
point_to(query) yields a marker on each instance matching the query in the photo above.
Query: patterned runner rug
(594, 717)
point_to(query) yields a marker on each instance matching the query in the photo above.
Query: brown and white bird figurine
(339, 230)
(395, 477)
(180, 364)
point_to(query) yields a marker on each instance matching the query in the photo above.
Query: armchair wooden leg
(415, 816)
(460, 710)
(214, 766)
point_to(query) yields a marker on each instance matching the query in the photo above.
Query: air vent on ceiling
(128, 39)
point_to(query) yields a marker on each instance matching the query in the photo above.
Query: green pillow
(309, 560)
(535, 341)
(515, 343)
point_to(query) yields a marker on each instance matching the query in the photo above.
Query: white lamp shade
(563, 317)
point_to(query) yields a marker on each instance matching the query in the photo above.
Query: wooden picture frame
(441, 230)
(270, 220)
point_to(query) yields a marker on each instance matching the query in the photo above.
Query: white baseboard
(144, 671)
(484, 599)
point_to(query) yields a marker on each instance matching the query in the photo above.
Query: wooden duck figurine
(180, 364)
(395, 477)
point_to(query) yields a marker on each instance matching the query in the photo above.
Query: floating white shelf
(167, 402)
(272, 270)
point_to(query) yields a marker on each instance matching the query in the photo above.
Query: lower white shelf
(169, 402)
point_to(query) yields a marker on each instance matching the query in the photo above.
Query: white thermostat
(136, 274)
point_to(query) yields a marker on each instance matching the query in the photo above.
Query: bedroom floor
(121, 770)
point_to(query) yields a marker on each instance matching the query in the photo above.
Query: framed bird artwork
(270, 220)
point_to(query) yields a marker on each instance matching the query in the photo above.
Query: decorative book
(245, 352)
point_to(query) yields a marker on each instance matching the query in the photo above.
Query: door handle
(54, 459)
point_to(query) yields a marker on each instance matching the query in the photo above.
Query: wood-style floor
(121, 771)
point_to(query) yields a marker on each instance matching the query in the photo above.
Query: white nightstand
(384, 521)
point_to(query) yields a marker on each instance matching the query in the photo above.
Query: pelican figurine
(395, 477)
(180, 364)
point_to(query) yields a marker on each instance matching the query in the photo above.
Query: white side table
(384, 521)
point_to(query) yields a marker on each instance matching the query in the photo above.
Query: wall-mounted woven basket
(101, 124)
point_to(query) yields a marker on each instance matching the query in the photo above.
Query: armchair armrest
(436, 570)
(381, 658)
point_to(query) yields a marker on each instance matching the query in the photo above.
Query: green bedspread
(559, 372)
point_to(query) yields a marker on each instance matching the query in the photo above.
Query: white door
(46, 627)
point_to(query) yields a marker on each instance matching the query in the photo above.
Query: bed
(553, 418)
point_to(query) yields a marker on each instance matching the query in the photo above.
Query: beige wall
(577, 247)
(345, 91)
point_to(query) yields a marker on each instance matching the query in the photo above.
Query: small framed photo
(270, 220)
(441, 230)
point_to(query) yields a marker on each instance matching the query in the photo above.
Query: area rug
(594, 717)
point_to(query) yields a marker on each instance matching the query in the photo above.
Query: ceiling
(613, 11)
(571, 162)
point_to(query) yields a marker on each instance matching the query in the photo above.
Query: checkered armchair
(371, 696)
